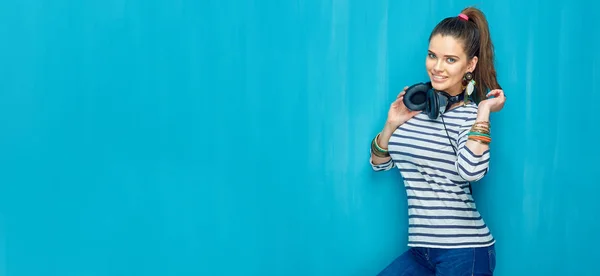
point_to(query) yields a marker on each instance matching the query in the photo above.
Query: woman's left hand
(496, 103)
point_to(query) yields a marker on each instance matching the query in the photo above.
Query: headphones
(422, 97)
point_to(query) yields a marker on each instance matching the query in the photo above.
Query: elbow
(383, 166)
(472, 173)
(472, 167)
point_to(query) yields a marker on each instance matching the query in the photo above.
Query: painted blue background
(231, 137)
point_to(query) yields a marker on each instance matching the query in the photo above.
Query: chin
(439, 86)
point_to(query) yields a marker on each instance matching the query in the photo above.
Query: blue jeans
(434, 261)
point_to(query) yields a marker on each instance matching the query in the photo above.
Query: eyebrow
(452, 56)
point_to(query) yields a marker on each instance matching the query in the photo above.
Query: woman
(439, 157)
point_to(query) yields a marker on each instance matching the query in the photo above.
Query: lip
(438, 78)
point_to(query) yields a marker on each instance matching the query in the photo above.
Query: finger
(501, 96)
(494, 93)
(402, 92)
(400, 101)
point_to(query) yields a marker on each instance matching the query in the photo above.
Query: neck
(455, 90)
(455, 100)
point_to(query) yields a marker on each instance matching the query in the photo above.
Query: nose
(438, 66)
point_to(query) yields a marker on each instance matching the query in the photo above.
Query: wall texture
(231, 137)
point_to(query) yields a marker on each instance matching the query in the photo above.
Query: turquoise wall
(231, 137)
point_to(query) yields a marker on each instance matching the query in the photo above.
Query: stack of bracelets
(480, 132)
(377, 150)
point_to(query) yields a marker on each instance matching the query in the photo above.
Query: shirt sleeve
(470, 166)
(381, 167)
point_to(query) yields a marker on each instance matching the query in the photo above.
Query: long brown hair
(475, 35)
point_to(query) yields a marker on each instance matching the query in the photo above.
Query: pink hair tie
(464, 17)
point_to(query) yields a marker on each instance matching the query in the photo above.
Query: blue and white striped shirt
(441, 210)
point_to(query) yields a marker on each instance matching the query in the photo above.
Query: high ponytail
(476, 38)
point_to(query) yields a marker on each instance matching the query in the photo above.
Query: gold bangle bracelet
(377, 151)
(379, 154)
(380, 149)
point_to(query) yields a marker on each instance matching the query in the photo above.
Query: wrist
(388, 129)
(391, 125)
(385, 134)
(483, 113)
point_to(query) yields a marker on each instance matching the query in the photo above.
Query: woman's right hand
(399, 113)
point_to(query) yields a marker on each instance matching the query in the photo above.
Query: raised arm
(475, 138)
(398, 114)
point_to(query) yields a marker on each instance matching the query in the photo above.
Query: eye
(451, 60)
(430, 55)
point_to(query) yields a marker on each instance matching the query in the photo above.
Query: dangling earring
(469, 82)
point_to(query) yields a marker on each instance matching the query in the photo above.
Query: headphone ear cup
(433, 104)
(416, 96)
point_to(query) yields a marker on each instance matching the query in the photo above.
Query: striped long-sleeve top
(441, 210)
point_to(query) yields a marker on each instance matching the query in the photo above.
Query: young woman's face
(447, 64)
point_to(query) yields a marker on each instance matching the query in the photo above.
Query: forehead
(446, 45)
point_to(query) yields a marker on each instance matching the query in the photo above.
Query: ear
(472, 64)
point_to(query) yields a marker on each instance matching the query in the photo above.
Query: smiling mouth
(438, 78)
